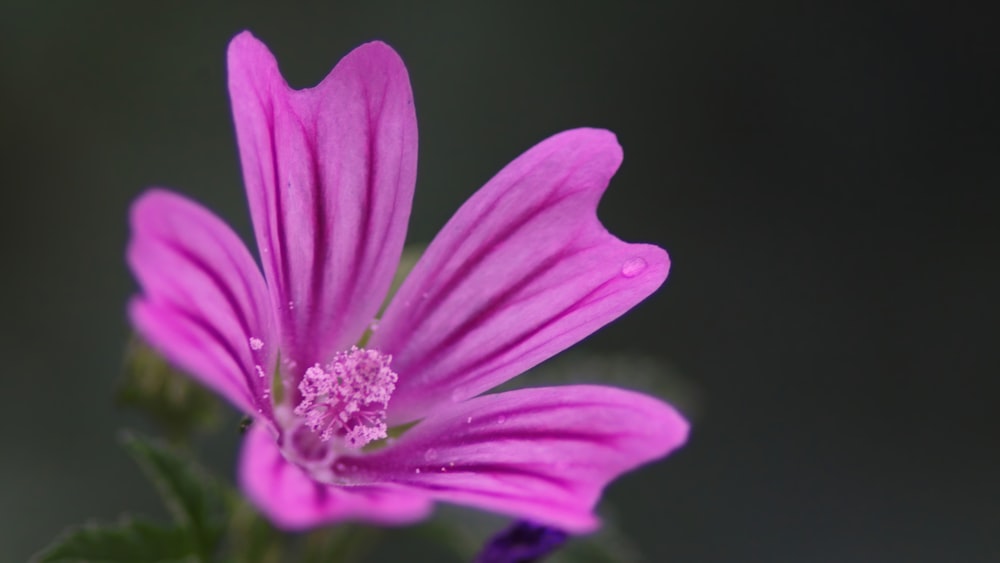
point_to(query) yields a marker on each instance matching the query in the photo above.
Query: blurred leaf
(196, 501)
(608, 545)
(175, 401)
(462, 530)
(461, 543)
(252, 539)
(129, 541)
(466, 531)
(345, 543)
(643, 373)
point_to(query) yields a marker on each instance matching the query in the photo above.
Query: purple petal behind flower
(203, 303)
(522, 542)
(521, 272)
(329, 173)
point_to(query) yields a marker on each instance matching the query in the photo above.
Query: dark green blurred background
(823, 176)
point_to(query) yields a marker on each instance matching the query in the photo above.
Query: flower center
(348, 397)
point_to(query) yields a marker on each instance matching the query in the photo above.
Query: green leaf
(607, 545)
(197, 502)
(346, 543)
(461, 530)
(129, 541)
(176, 403)
(252, 539)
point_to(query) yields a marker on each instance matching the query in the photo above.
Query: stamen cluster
(348, 397)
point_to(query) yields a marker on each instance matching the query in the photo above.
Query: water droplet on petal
(501, 419)
(417, 470)
(468, 420)
(633, 266)
(340, 466)
(430, 454)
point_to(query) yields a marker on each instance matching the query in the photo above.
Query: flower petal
(541, 454)
(522, 271)
(203, 303)
(329, 173)
(294, 501)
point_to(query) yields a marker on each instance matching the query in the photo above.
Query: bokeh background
(823, 175)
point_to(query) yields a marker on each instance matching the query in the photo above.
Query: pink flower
(522, 271)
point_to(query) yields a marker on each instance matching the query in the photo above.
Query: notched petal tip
(647, 266)
(329, 172)
(522, 271)
(147, 200)
(252, 69)
(250, 57)
(668, 429)
(245, 44)
(594, 138)
(244, 37)
(372, 63)
(375, 48)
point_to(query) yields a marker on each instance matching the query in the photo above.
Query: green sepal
(128, 541)
(345, 543)
(252, 539)
(197, 502)
(178, 404)
(607, 545)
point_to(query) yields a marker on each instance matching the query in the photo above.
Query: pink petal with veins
(543, 454)
(329, 173)
(204, 303)
(293, 500)
(521, 272)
